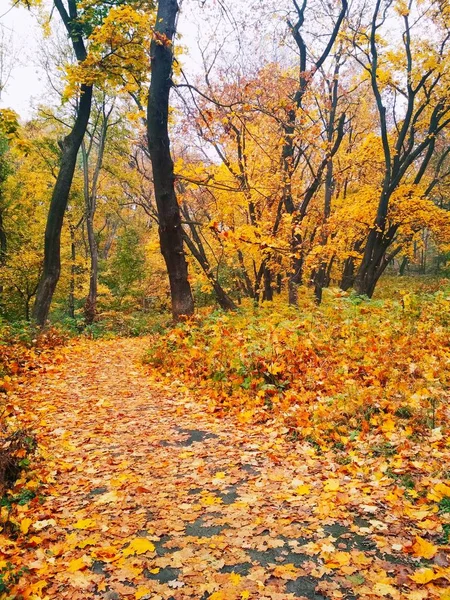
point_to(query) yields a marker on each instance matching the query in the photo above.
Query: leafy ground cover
(161, 481)
(333, 374)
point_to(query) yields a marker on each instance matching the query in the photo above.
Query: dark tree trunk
(268, 289)
(170, 229)
(279, 283)
(348, 273)
(403, 265)
(52, 247)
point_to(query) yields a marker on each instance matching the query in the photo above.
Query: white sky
(26, 86)
(26, 83)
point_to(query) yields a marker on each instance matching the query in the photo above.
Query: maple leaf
(332, 485)
(77, 564)
(385, 589)
(302, 490)
(85, 524)
(141, 592)
(139, 546)
(25, 525)
(425, 575)
(423, 548)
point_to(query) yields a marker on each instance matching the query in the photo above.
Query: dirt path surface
(146, 494)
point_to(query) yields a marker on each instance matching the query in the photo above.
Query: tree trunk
(370, 271)
(170, 229)
(197, 250)
(90, 306)
(3, 246)
(403, 265)
(72, 272)
(52, 247)
(268, 289)
(90, 199)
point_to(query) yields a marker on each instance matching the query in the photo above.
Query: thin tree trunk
(170, 229)
(403, 264)
(197, 251)
(3, 245)
(268, 289)
(90, 306)
(72, 272)
(90, 196)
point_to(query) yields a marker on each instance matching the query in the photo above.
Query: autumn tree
(414, 75)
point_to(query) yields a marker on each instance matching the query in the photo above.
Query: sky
(26, 82)
(26, 86)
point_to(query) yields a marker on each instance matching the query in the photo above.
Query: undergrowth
(330, 373)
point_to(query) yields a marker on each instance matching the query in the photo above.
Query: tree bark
(90, 198)
(170, 229)
(72, 272)
(52, 246)
(198, 252)
(90, 306)
(3, 246)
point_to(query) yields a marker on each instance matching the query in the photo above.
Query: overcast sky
(26, 86)
(21, 33)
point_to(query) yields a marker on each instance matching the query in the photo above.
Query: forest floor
(143, 492)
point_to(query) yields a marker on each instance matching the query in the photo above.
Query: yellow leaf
(155, 570)
(91, 541)
(424, 549)
(141, 592)
(25, 525)
(424, 575)
(235, 578)
(77, 564)
(217, 596)
(303, 490)
(245, 416)
(36, 588)
(383, 589)
(337, 559)
(85, 524)
(441, 490)
(139, 546)
(332, 485)
(219, 475)
(288, 571)
(245, 595)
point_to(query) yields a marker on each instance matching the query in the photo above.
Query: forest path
(147, 495)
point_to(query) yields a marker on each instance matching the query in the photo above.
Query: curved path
(146, 494)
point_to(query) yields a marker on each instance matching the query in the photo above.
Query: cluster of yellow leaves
(118, 51)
